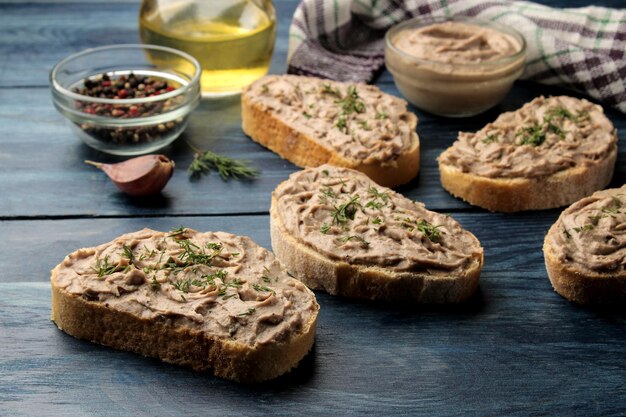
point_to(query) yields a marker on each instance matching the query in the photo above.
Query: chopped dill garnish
(427, 229)
(205, 161)
(327, 89)
(342, 123)
(490, 138)
(265, 89)
(567, 233)
(128, 253)
(267, 276)
(377, 220)
(532, 135)
(262, 288)
(351, 103)
(103, 267)
(584, 228)
(325, 194)
(307, 115)
(360, 239)
(154, 283)
(382, 115)
(248, 312)
(325, 228)
(346, 211)
(177, 232)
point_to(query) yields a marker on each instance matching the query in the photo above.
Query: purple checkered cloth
(581, 48)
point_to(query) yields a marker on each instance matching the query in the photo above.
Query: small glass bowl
(127, 126)
(452, 89)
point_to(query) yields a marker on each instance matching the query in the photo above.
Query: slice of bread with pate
(310, 122)
(585, 250)
(337, 230)
(550, 153)
(210, 301)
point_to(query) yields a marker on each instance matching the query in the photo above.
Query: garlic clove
(141, 176)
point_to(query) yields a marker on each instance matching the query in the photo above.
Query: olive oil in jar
(232, 39)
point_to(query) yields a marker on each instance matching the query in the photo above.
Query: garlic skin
(140, 176)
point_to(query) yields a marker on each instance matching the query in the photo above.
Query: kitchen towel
(580, 48)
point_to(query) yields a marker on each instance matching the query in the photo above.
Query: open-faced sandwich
(211, 301)
(550, 153)
(310, 122)
(585, 250)
(337, 230)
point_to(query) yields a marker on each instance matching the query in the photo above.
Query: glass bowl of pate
(454, 67)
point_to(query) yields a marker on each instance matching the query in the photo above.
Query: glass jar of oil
(232, 39)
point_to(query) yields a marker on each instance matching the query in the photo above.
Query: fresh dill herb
(427, 229)
(377, 220)
(351, 103)
(217, 247)
(346, 211)
(265, 89)
(247, 312)
(154, 283)
(374, 204)
(227, 296)
(262, 288)
(559, 112)
(490, 138)
(128, 253)
(147, 254)
(596, 218)
(532, 135)
(567, 233)
(325, 172)
(376, 194)
(325, 194)
(307, 115)
(325, 228)
(342, 123)
(328, 89)
(267, 276)
(360, 239)
(584, 228)
(210, 278)
(205, 161)
(177, 232)
(382, 115)
(363, 124)
(103, 267)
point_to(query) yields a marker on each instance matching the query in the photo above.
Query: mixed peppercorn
(124, 87)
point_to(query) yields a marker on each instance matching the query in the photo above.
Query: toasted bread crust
(582, 286)
(518, 194)
(304, 151)
(162, 339)
(367, 282)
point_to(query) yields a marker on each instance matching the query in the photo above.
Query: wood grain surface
(515, 348)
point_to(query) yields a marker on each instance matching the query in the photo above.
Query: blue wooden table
(516, 348)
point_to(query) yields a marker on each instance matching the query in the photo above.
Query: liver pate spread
(545, 136)
(592, 232)
(456, 43)
(347, 217)
(222, 284)
(359, 122)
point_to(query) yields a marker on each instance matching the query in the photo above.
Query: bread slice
(310, 122)
(210, 301)
(585, 250)
(547, 154)
(338, 231)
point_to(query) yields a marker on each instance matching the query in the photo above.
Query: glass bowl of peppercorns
(127, 99)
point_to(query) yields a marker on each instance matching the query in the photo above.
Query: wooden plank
(513, 350)
(39, 153)
(46, 242)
